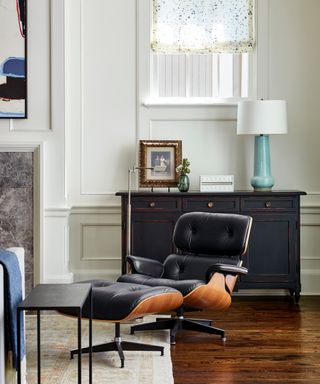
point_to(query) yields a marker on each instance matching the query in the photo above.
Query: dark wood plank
(269, 340)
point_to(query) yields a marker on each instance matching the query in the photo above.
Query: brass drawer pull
(152, 204)
(268, 204)
(210, 204)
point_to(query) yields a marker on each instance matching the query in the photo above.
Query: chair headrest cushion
(212, 233)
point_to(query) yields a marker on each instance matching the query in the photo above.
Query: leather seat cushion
(115, 300)
(183, 286)
(186, 267)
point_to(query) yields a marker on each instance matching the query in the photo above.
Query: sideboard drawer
(267, 204)
(211, 204)
(156, 204)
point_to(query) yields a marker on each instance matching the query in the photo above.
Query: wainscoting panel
(100, 241)
(310, 245)
(56, 247)
(95, 242)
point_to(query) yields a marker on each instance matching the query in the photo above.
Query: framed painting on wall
(13, 55)
(163, 157)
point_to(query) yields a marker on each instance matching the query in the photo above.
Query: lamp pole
(130, 172)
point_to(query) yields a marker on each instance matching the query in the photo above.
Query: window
(224, 75)
(202, 48)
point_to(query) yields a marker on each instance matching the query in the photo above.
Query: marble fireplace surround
(21, 204)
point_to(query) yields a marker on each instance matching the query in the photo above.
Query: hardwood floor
(269, 340)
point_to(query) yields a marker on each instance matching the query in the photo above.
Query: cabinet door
(272, 256)
(152, 234)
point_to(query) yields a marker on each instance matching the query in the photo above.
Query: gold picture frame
(163, 156)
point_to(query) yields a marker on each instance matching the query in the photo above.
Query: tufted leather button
(210, 204)
(152, 204)
(268, 204)
(229, 231)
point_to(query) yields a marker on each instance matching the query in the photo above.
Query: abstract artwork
(13, 74)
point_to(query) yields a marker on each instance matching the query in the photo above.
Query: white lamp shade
(262, 117)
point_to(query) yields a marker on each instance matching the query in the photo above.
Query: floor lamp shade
(262, 118)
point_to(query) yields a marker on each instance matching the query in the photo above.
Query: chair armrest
(226, 269)
(145, 266)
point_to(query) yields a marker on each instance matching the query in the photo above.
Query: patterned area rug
(59, 336)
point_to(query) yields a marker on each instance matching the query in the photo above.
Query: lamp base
(262, 179)
(262, 189)
(262, 183)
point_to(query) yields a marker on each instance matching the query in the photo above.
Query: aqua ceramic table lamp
(262, 118)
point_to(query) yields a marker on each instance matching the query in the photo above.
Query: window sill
(190, 102)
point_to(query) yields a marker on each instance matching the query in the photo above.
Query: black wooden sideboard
(273, 256)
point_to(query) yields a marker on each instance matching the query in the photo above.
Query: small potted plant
(183, 170)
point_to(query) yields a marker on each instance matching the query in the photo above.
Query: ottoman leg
(131, 346)
(156, 325)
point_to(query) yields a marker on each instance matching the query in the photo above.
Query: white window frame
(258, 79)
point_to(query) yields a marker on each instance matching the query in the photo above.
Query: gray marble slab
(16, 206)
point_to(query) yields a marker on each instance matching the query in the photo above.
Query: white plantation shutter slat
(245, 75)
(236, 75)
(213, 75)
(225, 75)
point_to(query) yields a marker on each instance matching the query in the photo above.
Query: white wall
(44, 131)
(294, 63)
(102, 131)
(102, 89)
(283, 72)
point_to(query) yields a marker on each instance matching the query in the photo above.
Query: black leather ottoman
(117, 302)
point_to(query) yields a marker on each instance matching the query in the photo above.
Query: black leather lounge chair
(204, 268)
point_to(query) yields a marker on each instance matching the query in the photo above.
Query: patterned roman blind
(203, 26)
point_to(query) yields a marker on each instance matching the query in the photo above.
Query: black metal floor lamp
(131, 171)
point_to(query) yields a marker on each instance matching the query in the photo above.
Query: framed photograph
(13, 55)
(163, 157)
